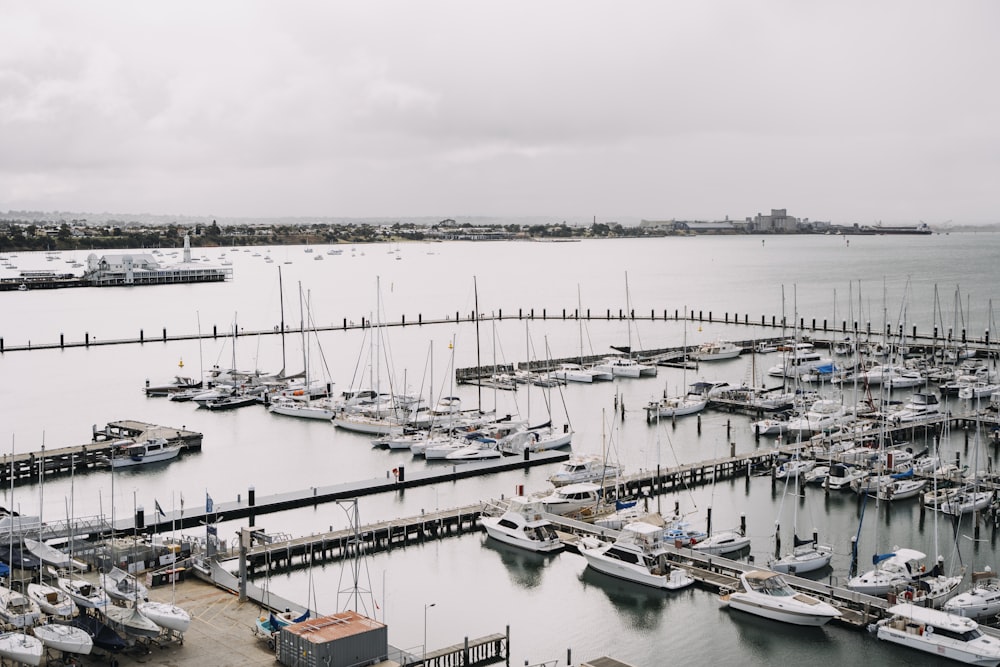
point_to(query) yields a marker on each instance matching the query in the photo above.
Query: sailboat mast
(281, 301)
(479, 385)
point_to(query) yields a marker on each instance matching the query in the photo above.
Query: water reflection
(641, 606)
(774, 642)
(522, 566)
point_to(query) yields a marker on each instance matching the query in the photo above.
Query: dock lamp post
(424, 656)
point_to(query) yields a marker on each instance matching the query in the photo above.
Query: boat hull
(785, 614)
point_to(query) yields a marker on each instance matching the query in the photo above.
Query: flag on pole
(208, 503)
(159, 510)
(182, 501)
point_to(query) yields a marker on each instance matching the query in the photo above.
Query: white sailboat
(50, 600)
(65, 638)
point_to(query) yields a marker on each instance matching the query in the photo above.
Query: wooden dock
(96, 454)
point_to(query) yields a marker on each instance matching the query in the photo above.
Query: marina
(710, 468)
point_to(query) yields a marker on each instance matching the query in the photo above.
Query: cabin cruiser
(153, 450)
(922, 405)
(584, 469)
(767, 594)
(572, 498)
(523, 525)
(639, 555)
(941, 633)
(717, 350)
(798, 362)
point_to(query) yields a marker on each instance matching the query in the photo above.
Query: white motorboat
(922, 405)
(584, 469)
(523, 525)
(65, 638)
(805, 556)
(638, 555)
(120, 585)
(980, 601)
(21, 648)
(82, 592)
(625, 367)
(943, 634)
(722, 543)
(572, 498)
(476, 450)
(767, 594)
(717, 351)
(17, 609)
(52, 601)
(320, 408)
(822, 415)
(892, 571)
(798, 362)
(167, 616)
(153, 450)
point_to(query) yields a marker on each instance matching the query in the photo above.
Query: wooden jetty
(96, 454)
(252, 505)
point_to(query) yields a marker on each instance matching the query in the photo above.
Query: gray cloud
(850, 111)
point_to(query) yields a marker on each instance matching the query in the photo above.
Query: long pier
(805, 327)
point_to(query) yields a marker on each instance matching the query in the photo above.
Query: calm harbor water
(551, 604)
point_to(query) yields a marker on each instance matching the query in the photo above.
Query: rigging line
(663, 426)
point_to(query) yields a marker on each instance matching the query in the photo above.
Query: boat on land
(21, 648)
(17, 609)
(522, 525)
(102, 636)
(82, 592)
(167, 616)
(120, 585)
(940, 633)
(767, 594)
(640, 555)
(51, 600)
(154, 450)
(64, 637)
(129, 621)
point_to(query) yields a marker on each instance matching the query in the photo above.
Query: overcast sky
(849, 111)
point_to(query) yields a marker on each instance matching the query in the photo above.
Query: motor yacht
(941, 633)
(767, 594)
(639, 555)
(522, 525)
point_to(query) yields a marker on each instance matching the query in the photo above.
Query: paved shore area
(220, 633)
